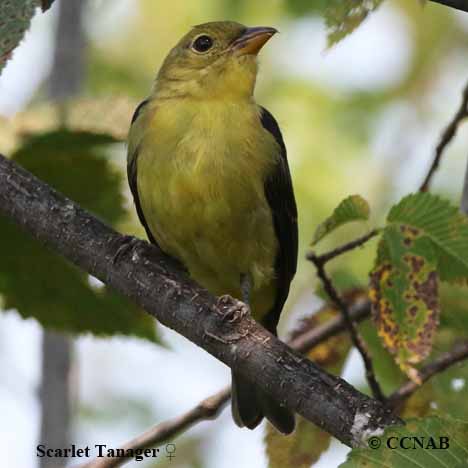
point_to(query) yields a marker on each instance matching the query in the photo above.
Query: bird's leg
(246, 286)
(239, 309)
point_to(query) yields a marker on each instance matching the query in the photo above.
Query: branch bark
(157, 283)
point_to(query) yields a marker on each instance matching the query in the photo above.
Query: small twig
(458, 353)
(355, 336)
(311, 338)
(446, 138)
(206, 409)
(326, 257)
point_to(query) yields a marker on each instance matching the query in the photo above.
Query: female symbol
(170, 450)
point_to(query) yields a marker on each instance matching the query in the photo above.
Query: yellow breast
(201, 173)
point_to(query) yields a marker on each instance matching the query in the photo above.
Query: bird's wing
(280, 196)
(132, 162)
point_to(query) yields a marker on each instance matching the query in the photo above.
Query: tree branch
(311, 338)
(445, 360)
(158, 284)
(448, 134)
(461, 5)
(358, 342)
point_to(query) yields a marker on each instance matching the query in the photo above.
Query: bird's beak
(252, 40)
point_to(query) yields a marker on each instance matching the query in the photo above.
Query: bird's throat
(230, 78)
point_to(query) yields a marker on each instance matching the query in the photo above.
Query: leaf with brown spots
(404, 296)
(424, 214)
(425, 240)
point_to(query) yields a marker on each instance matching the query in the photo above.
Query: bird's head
(214, 60)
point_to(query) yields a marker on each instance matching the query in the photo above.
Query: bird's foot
(126, 244)
(234, 312)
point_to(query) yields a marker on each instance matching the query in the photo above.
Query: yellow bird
(208, 170)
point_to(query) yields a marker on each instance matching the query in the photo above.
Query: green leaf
(304, 447)
(428, 215)
(78, 165)
(352, 208)
(404, 296)
(40, 284)
(342, 17)
(15, 17)
(444, 444)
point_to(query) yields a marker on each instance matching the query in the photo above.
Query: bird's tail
(250, 405)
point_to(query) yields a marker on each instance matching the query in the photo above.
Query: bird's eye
(202, 44)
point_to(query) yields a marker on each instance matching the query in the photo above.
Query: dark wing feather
(132, 179)
(280, 196)
(138, 110)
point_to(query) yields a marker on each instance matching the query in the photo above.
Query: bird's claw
(127, 243)
(234, 312)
